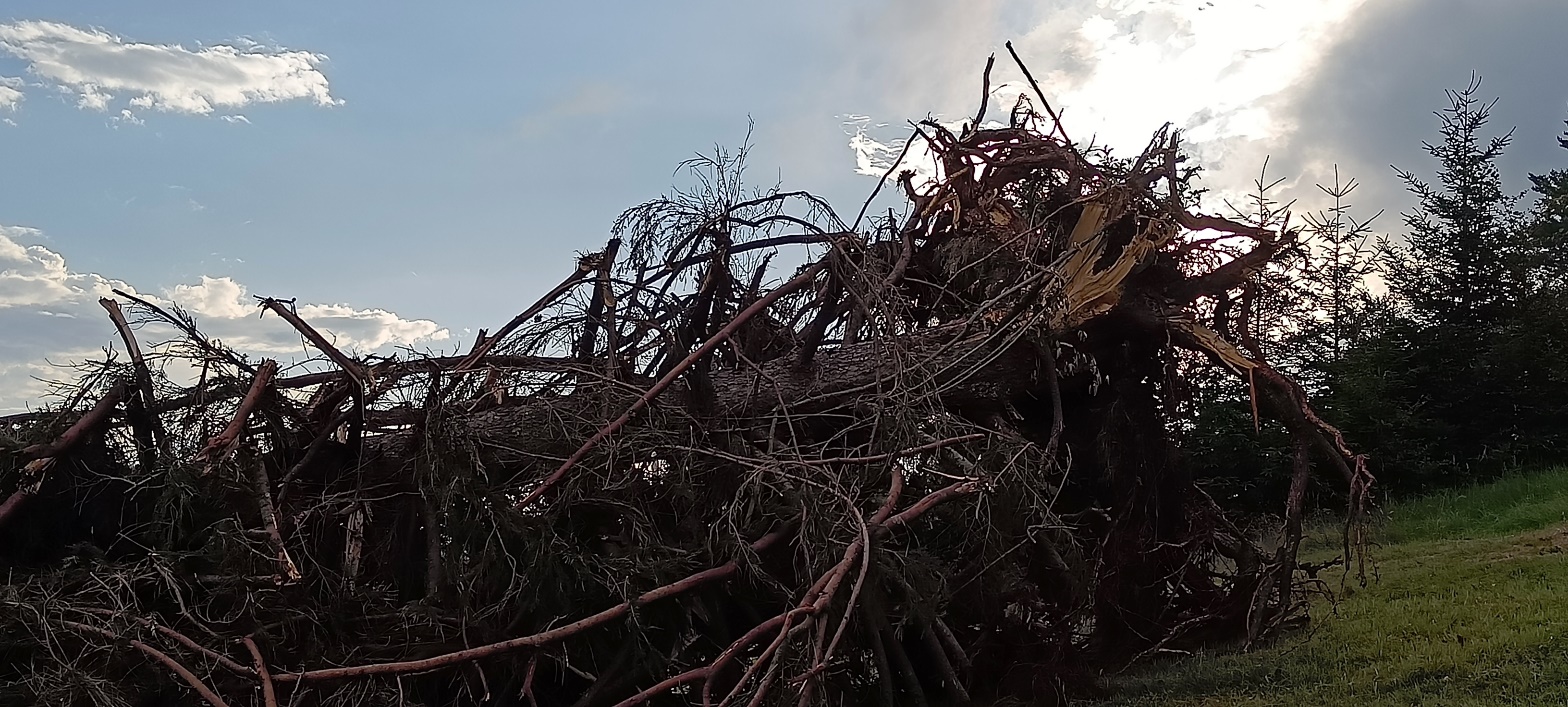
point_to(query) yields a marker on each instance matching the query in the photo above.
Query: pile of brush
(934, 464)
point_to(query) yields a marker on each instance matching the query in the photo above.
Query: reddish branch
(220, 447)
(544, 638)
(936, 498)
(269, 697)
(815, 600)
(84, 426)
(349, 366)
(185, 674)
(179, 638)
(44, 457)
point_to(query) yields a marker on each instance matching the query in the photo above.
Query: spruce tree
(1530, 355)
(1458, 279)
(1549, 227)
(1457, 268)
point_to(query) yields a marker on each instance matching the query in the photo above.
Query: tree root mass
(940, 463)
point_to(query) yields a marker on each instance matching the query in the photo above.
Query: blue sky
(419, 171)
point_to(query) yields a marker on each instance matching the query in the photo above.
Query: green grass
(1469, 606)
(1512, 505)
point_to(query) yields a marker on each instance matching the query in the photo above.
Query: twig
(585, 266)
(1057, 119)
(185, 674)
(883, 181)
(177, 637)
(190, 333)
(801, 280)
(382, 372)
(927, 447)
(758, 244)
(985, 92)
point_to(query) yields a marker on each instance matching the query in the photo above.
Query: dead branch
(221, 447)
(185, 674)
(269, 521)
(668, 379)
(44, 457)
(149, 429)
(349, 366)
(269, 698)
(482, 346)
(722, 572)
(190, 333)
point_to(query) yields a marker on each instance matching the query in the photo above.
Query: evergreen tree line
(1440, 352)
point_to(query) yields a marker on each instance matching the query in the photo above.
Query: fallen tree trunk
(951, 430)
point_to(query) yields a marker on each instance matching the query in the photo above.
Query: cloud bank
(1308, 84)
(52, 315)
(1370, 102)
(1223, 71)
(104, 72)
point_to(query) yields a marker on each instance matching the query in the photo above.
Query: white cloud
(100, 68)
(227, 309)
(371, 328)
(214, 297)
(874, 158)
(53, 317)
(33, 275)
(10, 93)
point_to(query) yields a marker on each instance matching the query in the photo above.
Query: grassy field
(1469, 606)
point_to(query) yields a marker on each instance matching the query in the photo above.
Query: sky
(414, 172)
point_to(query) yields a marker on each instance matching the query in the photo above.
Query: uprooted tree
(938, 463)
